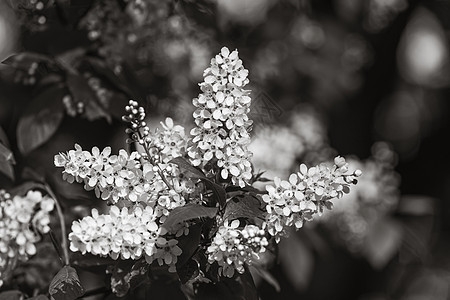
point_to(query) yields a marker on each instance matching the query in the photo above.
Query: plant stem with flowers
(186, 204)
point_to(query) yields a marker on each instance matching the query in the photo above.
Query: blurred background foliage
(368, 80)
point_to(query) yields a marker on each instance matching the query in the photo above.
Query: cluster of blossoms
(305, 194)
(232, 247)
(374, 198)
(125, 233)
(22, 221)
(222, 132)
(145, 185)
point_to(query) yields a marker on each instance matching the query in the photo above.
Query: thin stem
(64, 242)
(160, 171)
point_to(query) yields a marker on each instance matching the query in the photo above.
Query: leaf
(7, 169)
(24, 60)
(188, 271)
(66, 285)
(382, 242)
(6, 158)
(82, 92)
(12, 295)
(189, 244)
(187, 213)
(90, 262)
(102, 69)
(194, 173)
(23, 188)
(41, 119)
(241, 287)
(4, 138)
(38, 297)
(187, 169)
(266, 275)
(297, 262)
(128, 274)
(243, 206)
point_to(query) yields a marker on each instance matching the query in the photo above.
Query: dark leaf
(90, 262)
(23, 188)
(66, 285)
(104, 70)
(297, 261)
(189, 244)
(266, 275)
(382, 243)
(12, 295)
(6, 157)
(187, 213)
(24, 60)
(38, 297)
(243, 206)
(187, 169)
(128, 275)
(82, 92)
(7, 169)
(188, 271)
(195, 173)
(3, 138)
(241, 287)
(41, 119)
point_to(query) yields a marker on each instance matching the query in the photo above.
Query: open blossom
(232, 247)
(305, 194)
(222, 124)
(22, 220)
(125, 233)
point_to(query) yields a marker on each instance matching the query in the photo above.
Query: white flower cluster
(22, 221)
(222, 125)
(125, 233)
(232, 247)
(137, 185)
(374, 198)
(305, 194)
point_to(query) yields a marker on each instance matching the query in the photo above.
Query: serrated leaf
(128, 275)
(243, 206)
(187, 213)
(12, 295)
(82, 92)
(41, 119)
(66, 285)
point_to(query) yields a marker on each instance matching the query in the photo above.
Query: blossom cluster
(144, 184)
(222, 127)
(22, 221)
(125, 233)
(232, 247)
(305, 194)
(374, 198)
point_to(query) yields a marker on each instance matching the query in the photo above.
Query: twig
(64, 243)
